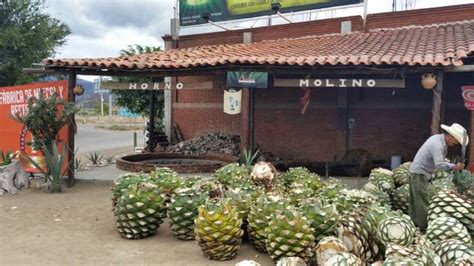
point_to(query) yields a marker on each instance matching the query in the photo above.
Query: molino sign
(191, 11)
(340, 83)
(14, 136)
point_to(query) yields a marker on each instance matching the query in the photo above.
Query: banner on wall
(14, 135)
(191, 11)
(468, 97)
(247, 79)
(232, 102)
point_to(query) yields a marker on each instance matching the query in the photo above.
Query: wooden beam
(272, 69)
(37, 71)
(467, 68)
(72, 130)
(436, 107)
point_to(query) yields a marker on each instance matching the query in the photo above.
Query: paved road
(90, 139)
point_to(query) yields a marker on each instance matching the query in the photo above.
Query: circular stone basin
(147, 162)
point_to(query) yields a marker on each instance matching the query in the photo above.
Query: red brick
(386, 124)
(421, 16)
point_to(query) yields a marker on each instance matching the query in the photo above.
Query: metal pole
(101, 104)
(134, 140)
(110, 105)
(366, 5)
(101, 97)
(252, 120)
(283, 17)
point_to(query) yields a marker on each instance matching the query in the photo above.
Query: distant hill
(89, 99)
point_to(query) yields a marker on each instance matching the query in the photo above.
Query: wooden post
(244, 122)
(444, 101)
(151, 128)
(170, 43)
(72, 129)
(246, 114)
(252, 120)
(341, 126)
(436, 107)
(470, 146)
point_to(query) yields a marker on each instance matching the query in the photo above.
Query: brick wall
(457, 113)
(317, 27)
(288, 134)
(195, 122)
(386, 123)
(325, 26)
(421, 16)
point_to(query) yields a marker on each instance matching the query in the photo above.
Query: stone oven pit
(147, 162)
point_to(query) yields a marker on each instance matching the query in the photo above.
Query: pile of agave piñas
(299, 218)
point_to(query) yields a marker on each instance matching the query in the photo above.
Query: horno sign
(142, 86)
(340, 83)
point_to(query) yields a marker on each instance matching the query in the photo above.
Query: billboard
(14, 136)
(191, 11)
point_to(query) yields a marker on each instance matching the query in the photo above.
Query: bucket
(396, 161)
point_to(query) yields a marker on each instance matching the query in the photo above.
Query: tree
(27, 36)
(138, 101)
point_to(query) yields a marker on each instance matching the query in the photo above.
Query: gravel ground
(77, 227)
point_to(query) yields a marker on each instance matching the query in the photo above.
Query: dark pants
(419, 199)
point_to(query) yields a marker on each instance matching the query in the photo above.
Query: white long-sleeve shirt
(431, 156)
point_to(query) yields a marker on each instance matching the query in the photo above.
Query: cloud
(91, 18)
(136, 14)
(101, 28)
(108, 46)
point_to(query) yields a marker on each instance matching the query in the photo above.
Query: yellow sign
(240, 7)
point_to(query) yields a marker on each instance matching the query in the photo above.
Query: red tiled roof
(430, 45)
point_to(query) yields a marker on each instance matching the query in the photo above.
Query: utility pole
(101, 104)
(110, 104)
(101, 97)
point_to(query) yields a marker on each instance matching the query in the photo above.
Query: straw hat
(457, 131)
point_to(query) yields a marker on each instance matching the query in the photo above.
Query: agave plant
(77, 164)
(247, 157)
(95, 157)
(464, 182)
(54, 164)
(6, 157)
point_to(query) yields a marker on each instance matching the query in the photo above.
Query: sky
(101, 28)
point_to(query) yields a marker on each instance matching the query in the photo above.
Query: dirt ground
(77, 227)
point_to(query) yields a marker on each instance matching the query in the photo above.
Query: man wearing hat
(430, 156)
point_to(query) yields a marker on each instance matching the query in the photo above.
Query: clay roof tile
(439, 44)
